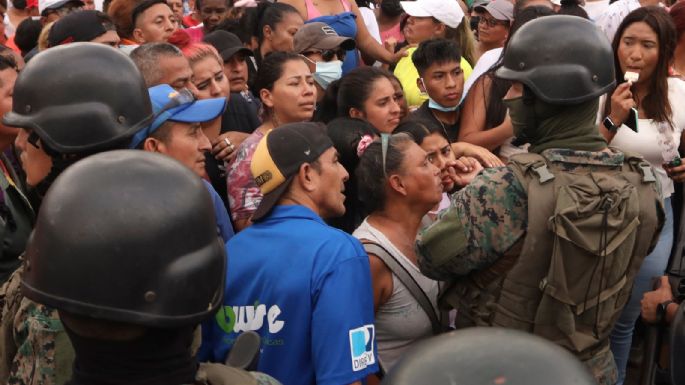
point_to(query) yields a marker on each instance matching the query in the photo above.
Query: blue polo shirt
(305, 287)
(223, 222)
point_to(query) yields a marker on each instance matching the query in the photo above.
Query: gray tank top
(400, 321)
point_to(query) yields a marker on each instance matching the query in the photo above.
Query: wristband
(610, 125)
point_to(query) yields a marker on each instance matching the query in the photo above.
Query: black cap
(84, 25)
(226, 43)
(279, 155)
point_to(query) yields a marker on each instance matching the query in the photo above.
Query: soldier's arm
(483, 221)
(10, 299)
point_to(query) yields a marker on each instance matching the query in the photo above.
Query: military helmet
(127, 236)
(678, 346)
(80, 98)
(562, 59)
(487, 356)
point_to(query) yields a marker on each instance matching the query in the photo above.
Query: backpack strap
(523, 164)
(407, 280)
(639, 164)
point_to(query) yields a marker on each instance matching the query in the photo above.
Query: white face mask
(327, 72)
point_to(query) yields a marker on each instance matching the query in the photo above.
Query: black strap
(407, 280)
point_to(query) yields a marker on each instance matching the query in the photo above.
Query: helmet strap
(59, 164)
(531, 118)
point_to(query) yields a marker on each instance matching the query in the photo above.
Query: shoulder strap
(639, 164)
(522, 164)
(407, 280)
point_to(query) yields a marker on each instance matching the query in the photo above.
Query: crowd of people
(349, 181)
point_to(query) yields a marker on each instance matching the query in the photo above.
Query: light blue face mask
(435, 105)
(327, 72)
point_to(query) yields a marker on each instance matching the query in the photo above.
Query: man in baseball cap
(494, 23)
(324, 50)
(176, 133)
(52, 10)
(84, 25)
(297, 170)
(235, 56)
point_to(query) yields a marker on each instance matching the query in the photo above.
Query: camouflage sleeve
(34, 348)
(483, 221)
(44, 353)
(10, 299)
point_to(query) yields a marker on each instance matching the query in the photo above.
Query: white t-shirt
(646, 140)
(371, 23)
(595, 8)
(484, 63)
(612, 17)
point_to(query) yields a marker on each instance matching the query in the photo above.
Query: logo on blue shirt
(361, 346)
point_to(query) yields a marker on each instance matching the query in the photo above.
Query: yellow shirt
(407, 74)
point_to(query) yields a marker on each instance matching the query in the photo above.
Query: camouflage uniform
(35, 346)
(487, 221)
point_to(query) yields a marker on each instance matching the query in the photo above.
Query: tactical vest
(589, 228)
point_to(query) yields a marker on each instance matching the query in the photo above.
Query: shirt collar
(282, 212)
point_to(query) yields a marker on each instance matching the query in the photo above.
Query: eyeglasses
(328, 54)
(491, 22)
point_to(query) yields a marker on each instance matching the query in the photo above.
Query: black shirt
(425, 114)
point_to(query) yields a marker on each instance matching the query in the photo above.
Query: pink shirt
(393, 32)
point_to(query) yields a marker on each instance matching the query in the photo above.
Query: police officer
(562, 267)
(485, 356)
(131, 268)
(70, 102)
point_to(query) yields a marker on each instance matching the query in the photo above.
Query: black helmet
(678, 346)
(127, 236)
(562, 59)
(81, 98)
(486, 356)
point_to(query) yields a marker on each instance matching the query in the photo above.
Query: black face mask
(473, 22)
(391, 8)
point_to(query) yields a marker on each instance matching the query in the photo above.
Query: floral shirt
(243, 194)
(609, 21)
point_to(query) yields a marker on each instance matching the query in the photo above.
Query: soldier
(479, 356)
(70, 102)
(131, 268)
(563, 267)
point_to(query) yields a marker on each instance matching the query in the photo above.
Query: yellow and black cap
(278, 157)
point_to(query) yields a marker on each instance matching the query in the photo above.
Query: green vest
(568, 279)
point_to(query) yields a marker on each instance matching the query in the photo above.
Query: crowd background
(412, 104)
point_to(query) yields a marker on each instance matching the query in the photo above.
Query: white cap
(53, 4)
(447, 12)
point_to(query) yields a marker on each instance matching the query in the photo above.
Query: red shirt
(188, 21)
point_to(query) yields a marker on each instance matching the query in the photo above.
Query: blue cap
(177, 106)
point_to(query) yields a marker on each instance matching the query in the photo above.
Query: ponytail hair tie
(364, 142)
